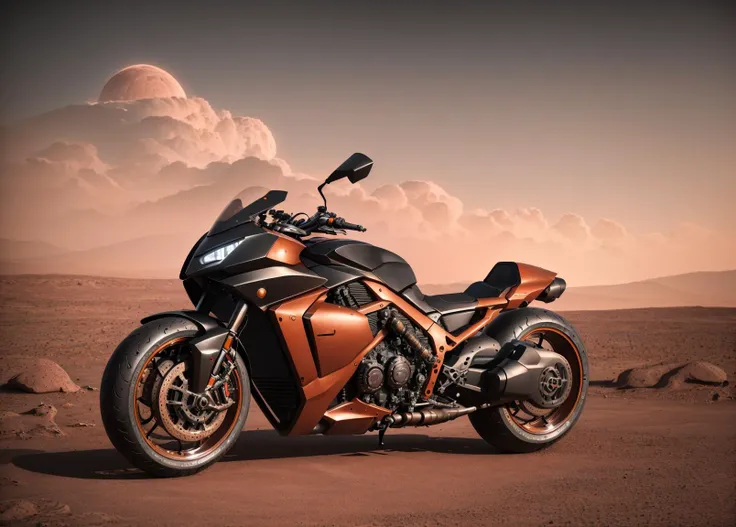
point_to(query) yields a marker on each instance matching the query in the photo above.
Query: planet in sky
(141, 81)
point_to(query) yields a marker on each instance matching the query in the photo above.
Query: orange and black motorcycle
(333, 336)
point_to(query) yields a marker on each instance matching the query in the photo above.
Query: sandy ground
(637, 457)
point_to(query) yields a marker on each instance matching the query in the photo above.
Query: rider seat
(456, 310)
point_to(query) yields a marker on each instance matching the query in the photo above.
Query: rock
(38, 421)
(16, 510)
(42, 410)
(704, 373)
(90, 388)
(82, 425)
(67, 405)
(643, 377)
(716, 396)
(43, 376)
(672, 375)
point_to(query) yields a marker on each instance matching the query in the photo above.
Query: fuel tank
(368, 259)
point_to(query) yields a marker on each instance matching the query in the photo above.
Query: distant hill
(21, 250)
(157, 256)
(161, 256)
(712, 289)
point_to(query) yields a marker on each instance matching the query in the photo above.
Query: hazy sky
(624, 112)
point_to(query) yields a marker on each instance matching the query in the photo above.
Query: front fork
(209, 350)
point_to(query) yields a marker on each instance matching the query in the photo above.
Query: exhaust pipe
(427, 417)
(553, 291)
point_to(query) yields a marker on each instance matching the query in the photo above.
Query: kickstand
(381, 433)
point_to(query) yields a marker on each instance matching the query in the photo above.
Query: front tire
(509, 428)
(132, 380)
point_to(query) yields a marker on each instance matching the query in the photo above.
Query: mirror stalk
(319, 189)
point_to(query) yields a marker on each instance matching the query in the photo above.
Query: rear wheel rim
(554, 419)
(150, 424)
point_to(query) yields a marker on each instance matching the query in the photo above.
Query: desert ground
(662, 455)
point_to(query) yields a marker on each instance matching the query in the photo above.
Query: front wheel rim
(149, 423)
(555, 419)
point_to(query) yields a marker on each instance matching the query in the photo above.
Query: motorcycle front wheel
(149, 413)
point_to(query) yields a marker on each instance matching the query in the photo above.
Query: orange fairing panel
(533, 280)
(353, 417)
(322, 391)
(285, 250)
(289, 317)
(338, 334)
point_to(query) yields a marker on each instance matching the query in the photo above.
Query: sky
(623, 111)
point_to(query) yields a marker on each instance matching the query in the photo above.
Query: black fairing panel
(398, 276)
(455, 321)
(385, 265)
(250, 254)
(216, 240)
(280, 282)
(337, 275)
(192, 251)
(271, 371)
(322, 250)
(367, 256)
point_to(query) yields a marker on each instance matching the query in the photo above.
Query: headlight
(219, 254)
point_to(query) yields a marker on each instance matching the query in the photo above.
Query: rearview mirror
(355, 168)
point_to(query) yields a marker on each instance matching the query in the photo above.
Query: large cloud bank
(100, 175)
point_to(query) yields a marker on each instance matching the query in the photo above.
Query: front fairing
(255, 244)
(236, 223)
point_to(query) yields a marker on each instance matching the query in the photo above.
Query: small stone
(45, 376)
(38, 421)
(16, 510)
(83, 425)
(716, 396)
(67, 405)
(90, 388)
(43, 409)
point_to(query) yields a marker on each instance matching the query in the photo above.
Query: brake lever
(330, 230)
(287, 228)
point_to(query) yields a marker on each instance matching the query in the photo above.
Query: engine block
(390, 375)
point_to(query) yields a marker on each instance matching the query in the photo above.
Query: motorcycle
(333, 336)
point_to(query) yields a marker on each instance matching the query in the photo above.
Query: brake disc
(184, 414)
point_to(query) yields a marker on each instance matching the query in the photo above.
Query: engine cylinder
(370, 377)
(398, 372)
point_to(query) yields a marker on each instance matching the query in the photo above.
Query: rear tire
(497, 425)
(119, 397)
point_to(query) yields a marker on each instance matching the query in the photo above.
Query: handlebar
(321, 221)
(340, 223)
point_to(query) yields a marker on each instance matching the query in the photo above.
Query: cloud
(573, 227)
(99, 174)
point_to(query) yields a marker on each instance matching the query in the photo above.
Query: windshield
(236, 214)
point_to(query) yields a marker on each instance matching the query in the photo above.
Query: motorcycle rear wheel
(152, 362)
(518, 427)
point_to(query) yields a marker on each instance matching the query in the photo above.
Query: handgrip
(342, 224)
